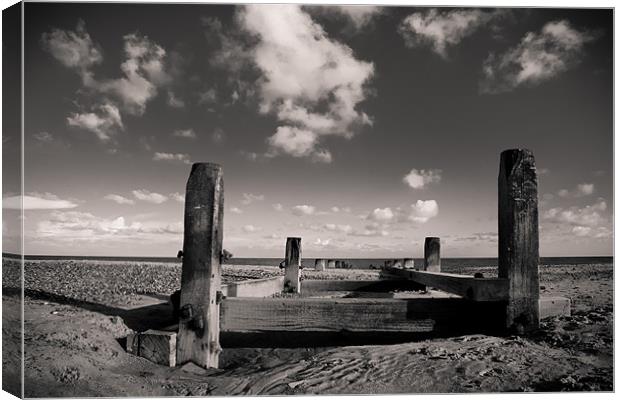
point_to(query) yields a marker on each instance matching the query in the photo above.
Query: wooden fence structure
(450, 303)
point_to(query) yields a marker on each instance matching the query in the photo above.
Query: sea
(355, 263)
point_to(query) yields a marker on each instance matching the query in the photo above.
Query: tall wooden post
(432, 256)
(292, 264)
(198, 339)
(331, 264)
(518, 237)
(319, 264)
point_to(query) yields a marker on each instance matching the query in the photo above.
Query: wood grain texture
(359, 315)
(476, 289)
(383, 285)
(432, 254)
(254, 287)
(518, 237)
(292, 259)
(198, 337)
(154, 345)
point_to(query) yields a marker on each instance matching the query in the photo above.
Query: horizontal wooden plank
(254, 288)
(358, 315)
(384, 285)
(476, 289)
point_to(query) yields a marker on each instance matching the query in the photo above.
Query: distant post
(338, 264)
(319, 264)
(293, 264)
(432, 256)
(518, 237)
(408, 263)
(331, 264)
(198, 339)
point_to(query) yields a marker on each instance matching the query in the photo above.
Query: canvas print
(285, 199)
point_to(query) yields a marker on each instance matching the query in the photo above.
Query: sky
(361, 130)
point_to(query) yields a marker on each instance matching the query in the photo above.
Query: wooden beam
(476, 289)
(198, 337)
(359, 315)
(383, 285)
(432, 256)
(292, 264)
(254, 287)
(331, 264)
(319, 264)
(518, 237)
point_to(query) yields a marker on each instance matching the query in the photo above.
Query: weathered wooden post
(408, 263)
(432, 257)
(338, 264)
(198, 339)
(518, 237)
(319, 264)
(331, 264)
(292, 264)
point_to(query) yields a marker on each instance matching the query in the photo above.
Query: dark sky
(360, 129)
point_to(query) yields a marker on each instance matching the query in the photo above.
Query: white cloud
(36, 201)
(537, 58)
(585, 189)
(423, 210)
(182, 157)
(311, 82)
(150, 197)
(249, 198)
(338, 228)
(72, 49)
(303, 210)
(174, 101)
(442, 29)
(104, 121)
(277, 207)
(322, 156)
(119, 199)
(335, 209)
(251, 228)
(359, 15)
(236, 210)
(176, 196)
(208, 97)
(44, 137)
(369, 232)
(185, 133)
(563, 193)
(218, 135)
(381, 214)
(588, 216)
(418, 179)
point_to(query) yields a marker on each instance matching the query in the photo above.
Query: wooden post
(331, 264)
(408, 263)
(293, 262)
(432, 257)
(198, 339)
(518, 237)
(319, 264)
(338, 264)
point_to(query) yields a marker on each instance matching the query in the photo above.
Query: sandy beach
(77, 314)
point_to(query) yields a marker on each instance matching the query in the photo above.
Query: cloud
(312, 83)
(174, 101)
(443, 29)
(303, 210)
(218, 135)
(236, 210)
(207, 97)
(338, 228)
(104, 121)
(358, 16)
(278, 207)
(249, 198)
(335, 209)
(118, 199)
(478, 237)
(36, 201)
(176, 196)
(185, 133)
(251, 228)
(589, 216)
(44, 137)
(537, 58)
(581, 190)
(182, 157)
(423, 210)
(419, 179)
(74, 49)
(370, 232)
(381, 214)
(150, 197)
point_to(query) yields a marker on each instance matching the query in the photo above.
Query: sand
(78, 313)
